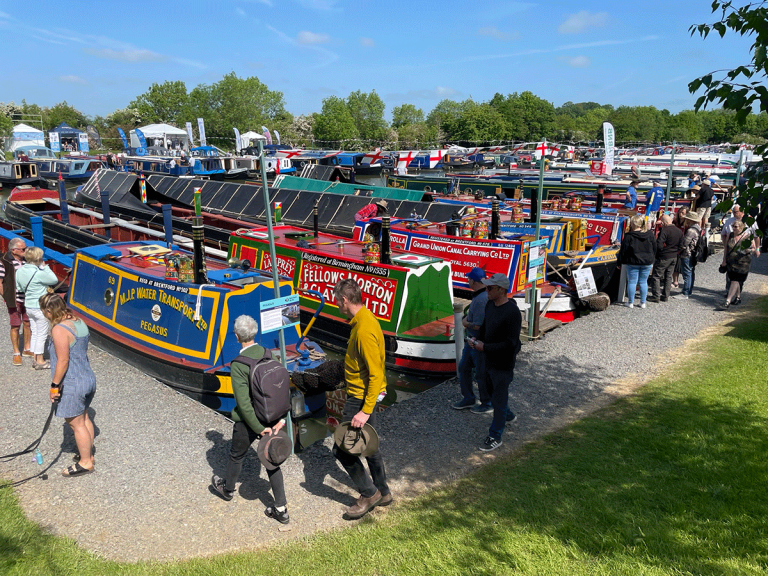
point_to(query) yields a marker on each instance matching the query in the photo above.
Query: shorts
(18, 315)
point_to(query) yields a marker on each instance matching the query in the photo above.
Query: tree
(63, 112)
(480, 124)
(162, 103)
(741, 90)
(367, 110)
(405, 115)
(335, 123)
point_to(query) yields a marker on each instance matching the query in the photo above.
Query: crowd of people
(666, 251)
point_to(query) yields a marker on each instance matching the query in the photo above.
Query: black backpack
(700, 251)
(270, 387)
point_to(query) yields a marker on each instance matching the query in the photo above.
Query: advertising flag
(93, 134)
(277, 135)
(123, 138)
(83, 140)
(53, 139)
(189, 134)
(238, 145)
(140, 136)
(267, 135)
(201, 129)
(609, 137)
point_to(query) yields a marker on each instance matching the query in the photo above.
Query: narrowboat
(410, 295)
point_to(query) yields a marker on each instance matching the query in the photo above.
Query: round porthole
(108, 296)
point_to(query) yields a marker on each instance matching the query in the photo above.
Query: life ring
(467, 190)
(302, 164)
(427, 188)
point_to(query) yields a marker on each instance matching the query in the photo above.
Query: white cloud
(367, 42)
(127, 55)
(72, 79)
(445, 91)
(305, 37)
(579, 62)
(4, 15)
(582, 22)
(493, 32)
(240, 12)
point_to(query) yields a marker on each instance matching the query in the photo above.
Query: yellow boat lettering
(154, 328)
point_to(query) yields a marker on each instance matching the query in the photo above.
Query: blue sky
(98, 56)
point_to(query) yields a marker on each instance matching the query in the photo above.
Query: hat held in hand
(356, 441)
(274, 449)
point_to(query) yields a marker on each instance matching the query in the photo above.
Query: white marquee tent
(24, 135)
(154, 132)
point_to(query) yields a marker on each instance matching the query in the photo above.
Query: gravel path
(157, 450)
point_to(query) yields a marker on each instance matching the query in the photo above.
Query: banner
(277, 135)
(609, 137)
(189, 134)
(267, 135)
(140, 136)
(93, 134)
(201, 129)
(53, 140)
(83, 141)
(238, 143)
(123, 138)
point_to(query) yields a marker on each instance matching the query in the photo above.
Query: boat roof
(149, 259)
(330, 245)
(36, 151)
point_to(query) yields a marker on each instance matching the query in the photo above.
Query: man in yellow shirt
(366, 386)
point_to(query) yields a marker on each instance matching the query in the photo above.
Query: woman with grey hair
(33, 279)
(246, 328)
(274, 444)
(737, 261)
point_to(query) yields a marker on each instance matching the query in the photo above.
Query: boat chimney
(315, 220)
(198, 253)
(534, 207)
(386, 250)
(599, 201)
(105, 212)
(495, 219)
(63, 206)
(168, 224)
(36, 224)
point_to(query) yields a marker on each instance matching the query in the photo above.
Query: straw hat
(693, 215)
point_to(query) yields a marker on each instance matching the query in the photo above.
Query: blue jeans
(637, 274)
(470, 360)
(497, 385)
(689, 275)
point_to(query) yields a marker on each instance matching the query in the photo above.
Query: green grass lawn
(669, 481)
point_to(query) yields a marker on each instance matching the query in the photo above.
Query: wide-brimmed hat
(693, 215)
(382, 203)
(696, 187)
(498, 279)
(356, 441)
(274, 449)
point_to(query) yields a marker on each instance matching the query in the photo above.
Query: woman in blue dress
(73, 382)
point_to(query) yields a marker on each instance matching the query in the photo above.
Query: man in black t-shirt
(498, 341)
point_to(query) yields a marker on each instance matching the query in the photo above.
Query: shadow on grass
(752, 331)
(659, 481)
